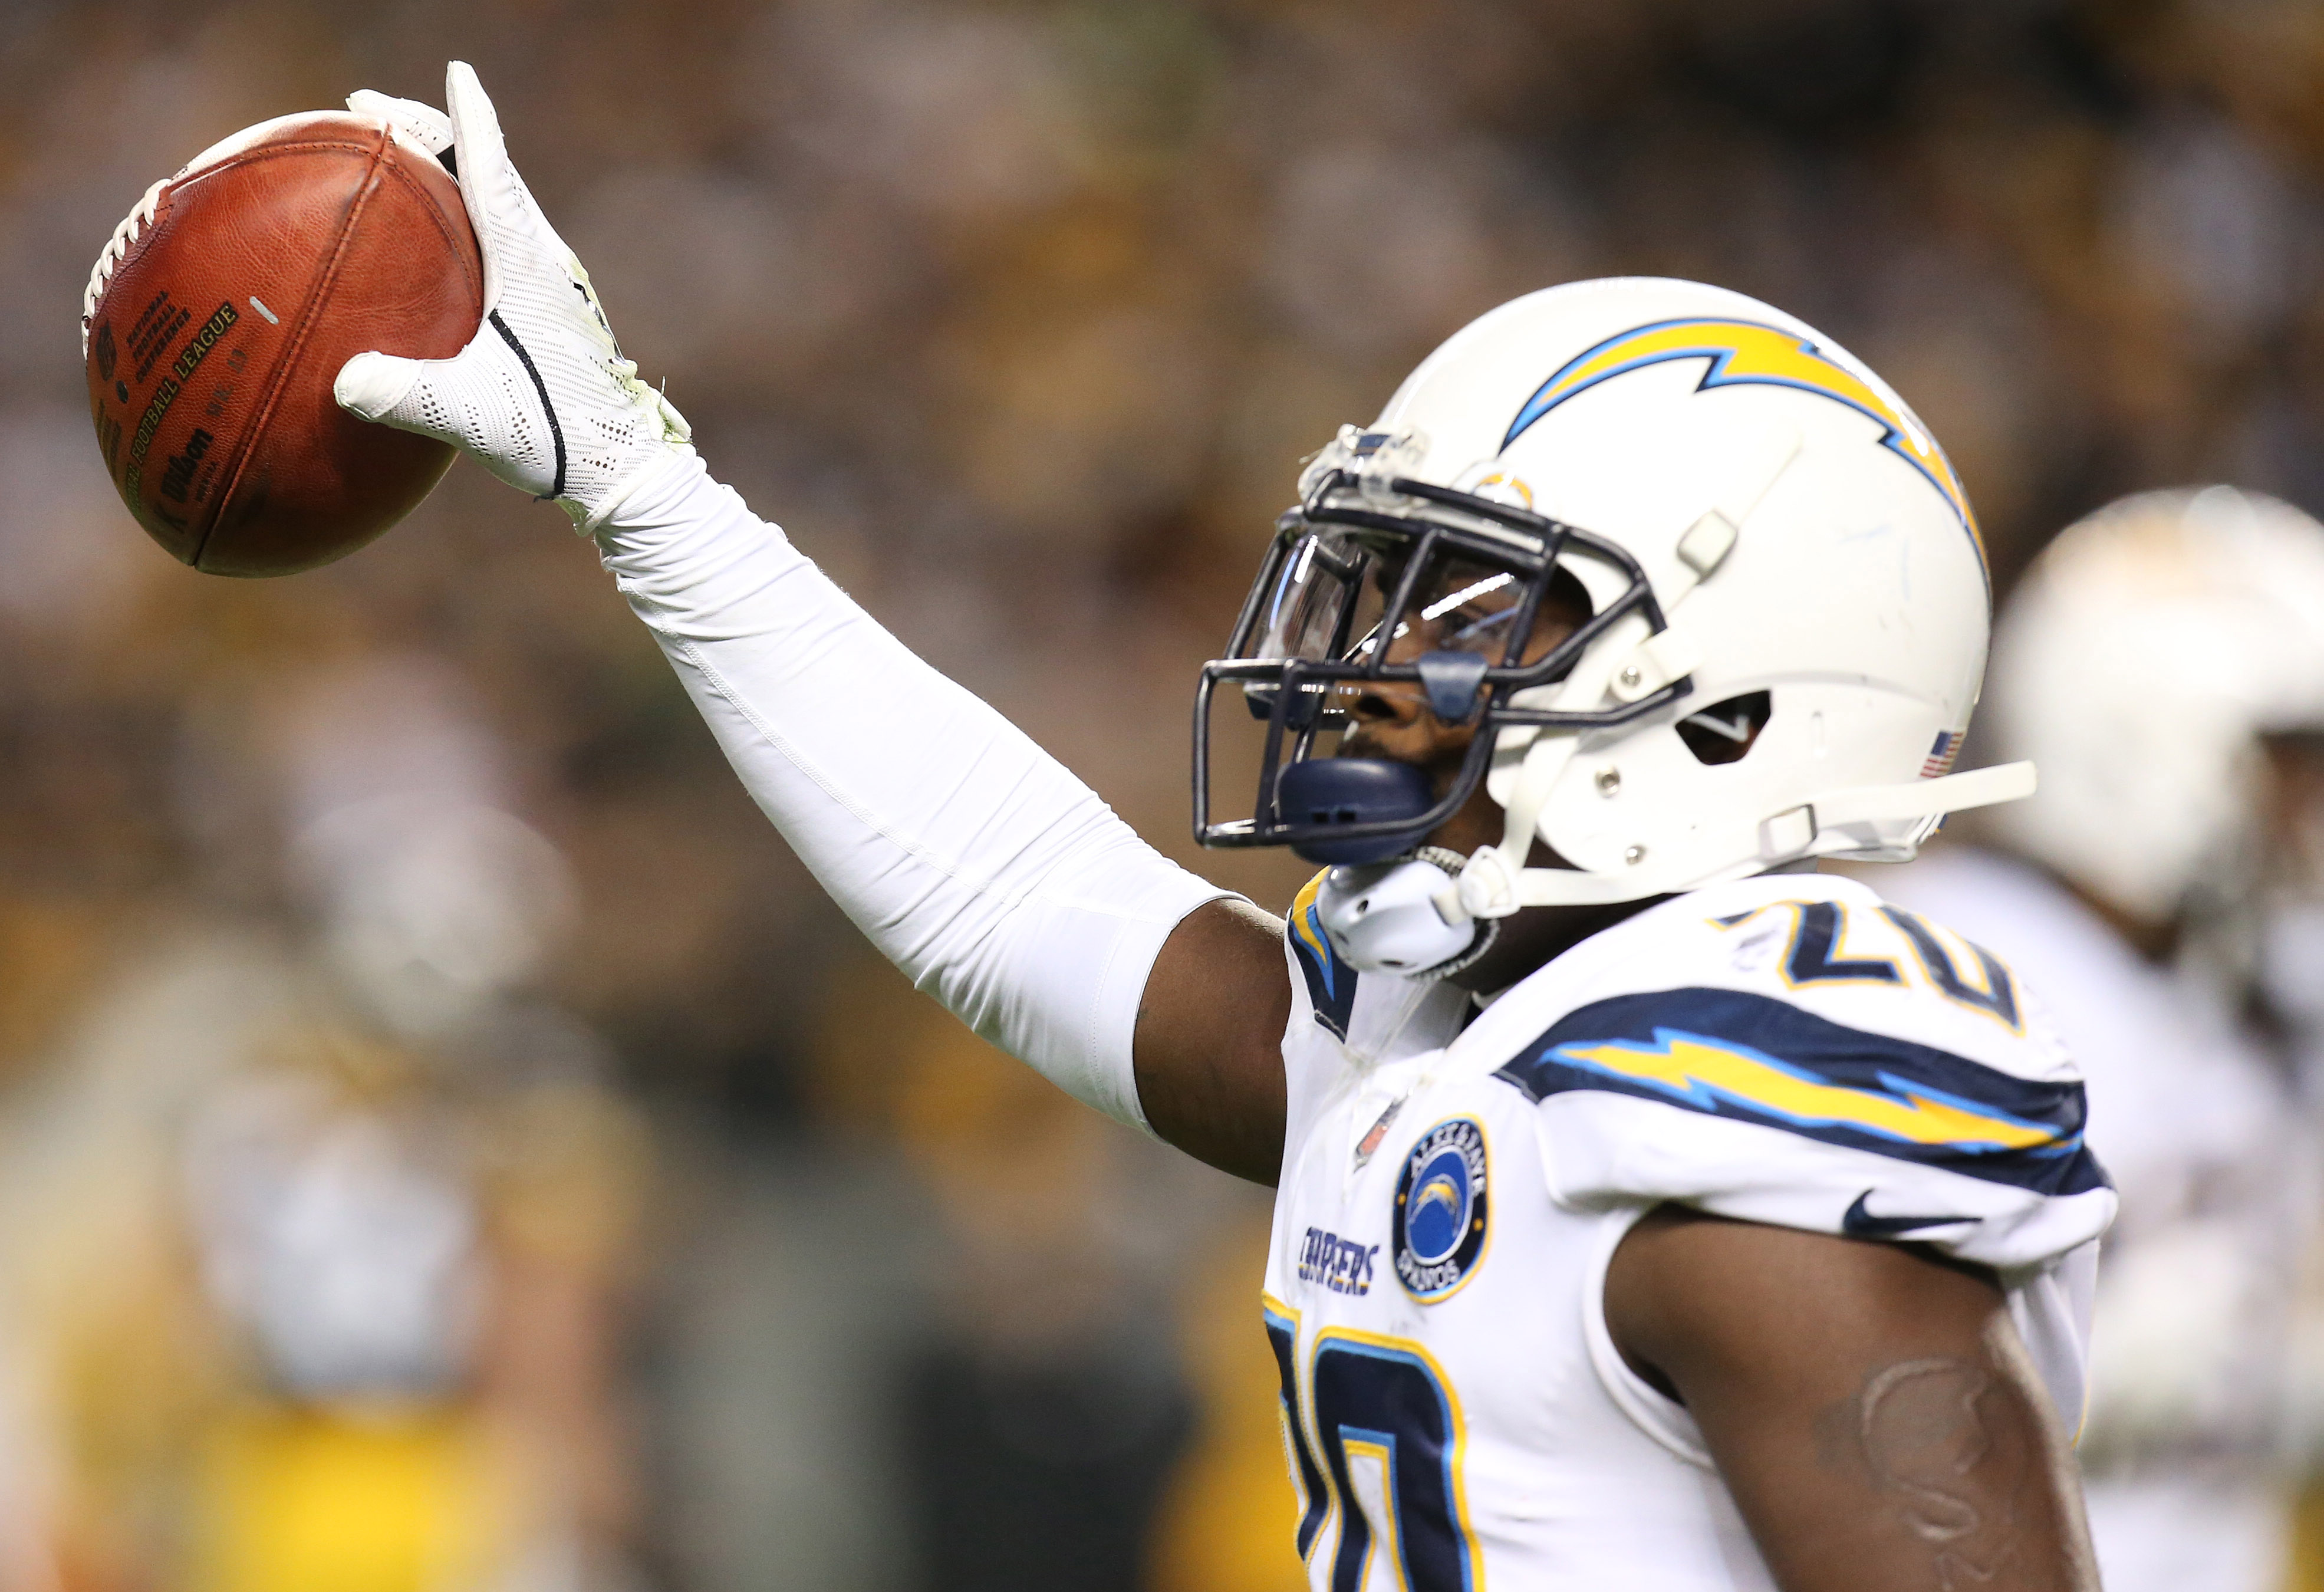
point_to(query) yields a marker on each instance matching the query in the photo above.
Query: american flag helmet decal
(1940, 761)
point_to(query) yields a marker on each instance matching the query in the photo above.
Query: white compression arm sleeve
(996, 880)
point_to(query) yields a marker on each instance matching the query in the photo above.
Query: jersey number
(1391, 1436)
(1814, 957)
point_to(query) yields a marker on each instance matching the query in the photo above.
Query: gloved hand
(421, 122)
(541, 396)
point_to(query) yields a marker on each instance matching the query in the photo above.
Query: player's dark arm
(1208, 1051)
(1872, 1408)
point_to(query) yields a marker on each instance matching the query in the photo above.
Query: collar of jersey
(1580, 972)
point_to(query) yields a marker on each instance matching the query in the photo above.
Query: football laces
(115, 251)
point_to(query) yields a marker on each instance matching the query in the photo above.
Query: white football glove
(541, 396)
(423, 123)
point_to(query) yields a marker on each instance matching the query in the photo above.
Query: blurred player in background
(1570, 993)
(315, 1252)
(2163, 662)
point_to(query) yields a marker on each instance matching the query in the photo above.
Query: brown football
(223, 310)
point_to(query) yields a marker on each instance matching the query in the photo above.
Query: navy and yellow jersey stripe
(1752, 1059)
(1331, 982)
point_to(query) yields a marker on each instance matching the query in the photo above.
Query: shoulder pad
(1734, 1054)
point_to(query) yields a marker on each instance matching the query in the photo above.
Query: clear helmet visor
(1328, 602)
(1329, 597)
(1310, 608)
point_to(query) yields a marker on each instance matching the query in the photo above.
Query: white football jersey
(1786, 1049)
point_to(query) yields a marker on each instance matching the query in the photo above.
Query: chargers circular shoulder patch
(1439, 1224)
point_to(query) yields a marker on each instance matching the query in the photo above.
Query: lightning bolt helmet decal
(1749, 353)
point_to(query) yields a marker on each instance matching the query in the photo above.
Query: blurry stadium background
(445, 1139)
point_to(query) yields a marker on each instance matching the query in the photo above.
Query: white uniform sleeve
(997, 881)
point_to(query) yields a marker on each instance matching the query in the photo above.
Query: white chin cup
(1383, 918)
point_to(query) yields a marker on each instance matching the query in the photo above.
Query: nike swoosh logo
(1859, 1222)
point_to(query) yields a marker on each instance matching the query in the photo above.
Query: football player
(1654, 1211)
(2142, 890)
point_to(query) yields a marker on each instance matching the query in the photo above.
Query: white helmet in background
(1768, 538)
(2146, 652)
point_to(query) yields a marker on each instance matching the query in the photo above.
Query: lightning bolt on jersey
(1788, 1049)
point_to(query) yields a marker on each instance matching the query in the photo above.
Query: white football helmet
(1767, 538)
(2146, 652)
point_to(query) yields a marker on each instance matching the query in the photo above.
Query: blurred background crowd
(445, 1141)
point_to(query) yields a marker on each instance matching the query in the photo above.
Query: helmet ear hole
(1566, 591)
(1566, 599)
(1725, 731)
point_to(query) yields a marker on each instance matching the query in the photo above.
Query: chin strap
(1382, 917)
(1884, 819)
(1487, 886)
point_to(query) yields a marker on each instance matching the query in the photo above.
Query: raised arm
(998, 881)
(972, 859)
(1870, 1406)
